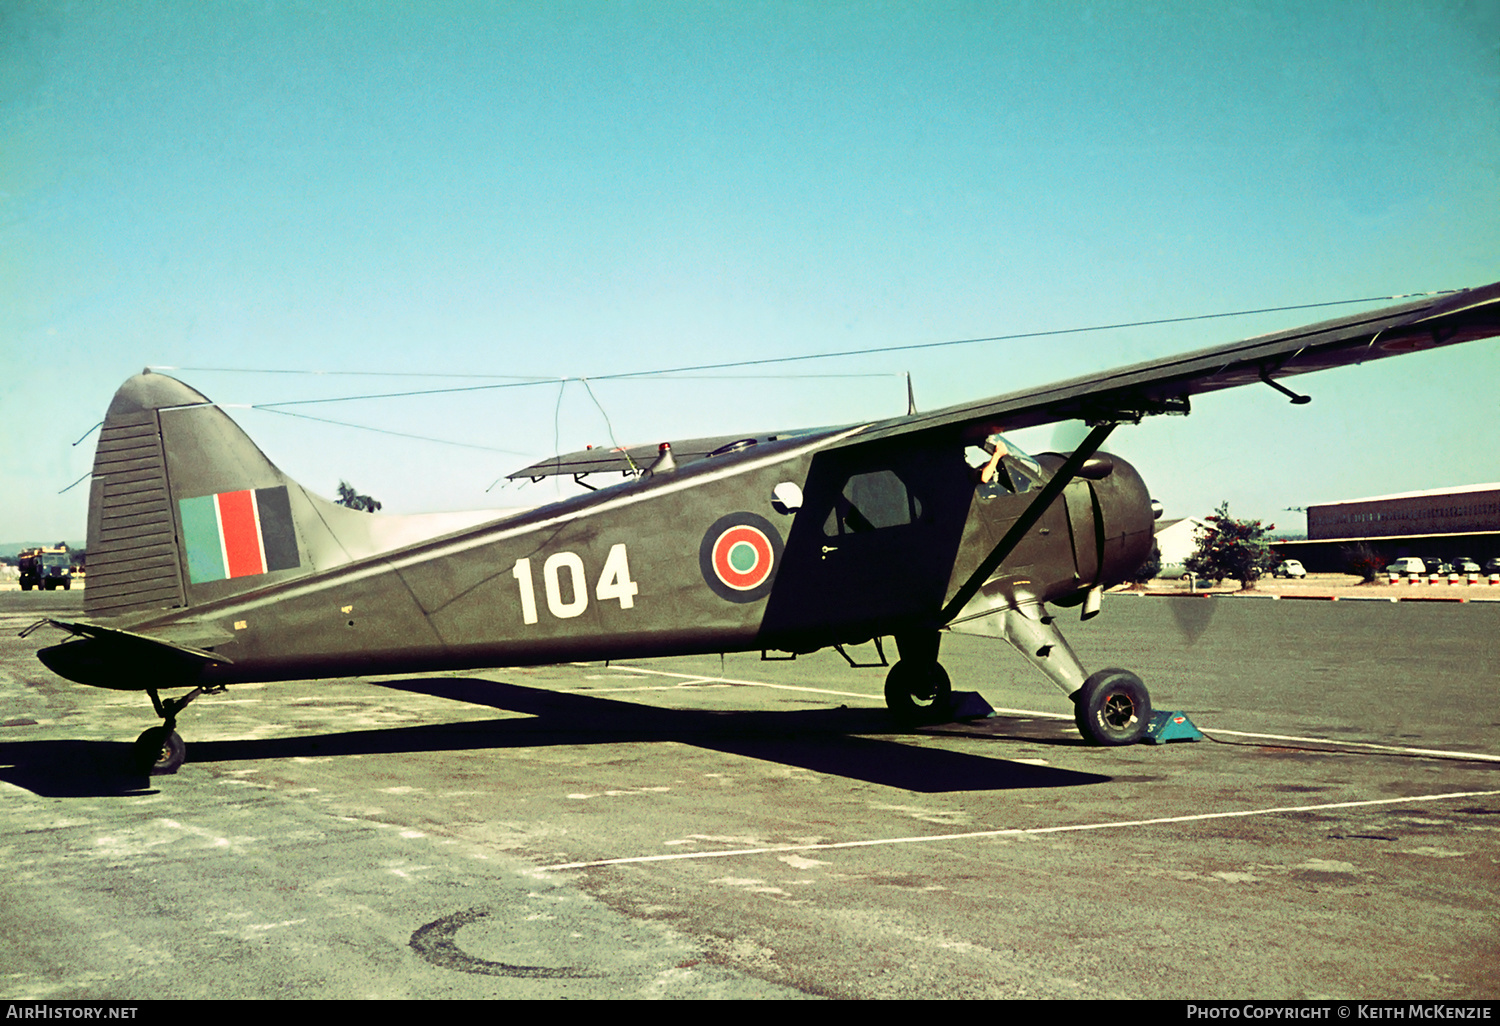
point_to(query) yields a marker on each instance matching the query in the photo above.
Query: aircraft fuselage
(714, 556)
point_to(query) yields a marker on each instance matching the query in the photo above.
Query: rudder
(181, 500)
(185, 509)
(132, 540)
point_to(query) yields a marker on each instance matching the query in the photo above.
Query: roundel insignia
(739, 556)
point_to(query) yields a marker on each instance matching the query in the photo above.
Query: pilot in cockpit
(1002, 476)
(987, 473)
(990, 477)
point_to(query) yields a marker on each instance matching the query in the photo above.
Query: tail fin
(186, 509)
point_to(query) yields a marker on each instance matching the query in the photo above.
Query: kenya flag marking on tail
(238, 534)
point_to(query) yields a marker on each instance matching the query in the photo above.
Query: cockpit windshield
(1006, 468)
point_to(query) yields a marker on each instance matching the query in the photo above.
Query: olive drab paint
(208, 567)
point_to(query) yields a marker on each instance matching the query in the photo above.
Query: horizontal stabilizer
(126, 661)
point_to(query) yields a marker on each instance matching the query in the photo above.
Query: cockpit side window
(872, 502)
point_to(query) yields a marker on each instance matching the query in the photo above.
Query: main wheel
(917, 691)
(160, 751)
(1112, 708)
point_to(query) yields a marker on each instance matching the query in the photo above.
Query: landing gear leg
(1112, 707)
(917, 688)
(160, 750)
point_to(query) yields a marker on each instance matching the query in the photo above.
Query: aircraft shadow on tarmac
(824, 741)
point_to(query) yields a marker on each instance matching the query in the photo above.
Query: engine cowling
(1125, 522)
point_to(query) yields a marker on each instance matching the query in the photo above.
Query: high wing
(1164, 386)
(1127, 394)
(632, 459)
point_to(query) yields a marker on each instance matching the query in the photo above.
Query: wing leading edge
(1127, 394)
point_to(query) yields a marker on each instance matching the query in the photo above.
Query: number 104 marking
(614, 583)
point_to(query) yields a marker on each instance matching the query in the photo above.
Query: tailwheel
(918, 691)
(1112, 708)
(160, 751)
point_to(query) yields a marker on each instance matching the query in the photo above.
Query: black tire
(916, 692)
(1112, 708)
(159, 751)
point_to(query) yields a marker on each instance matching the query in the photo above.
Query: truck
(46, 568)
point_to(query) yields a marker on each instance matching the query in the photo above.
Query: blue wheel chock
(969, 705)
(1171, 726)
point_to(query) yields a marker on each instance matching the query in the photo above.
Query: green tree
(352, 499)
(1232, 548)
(1363, 560)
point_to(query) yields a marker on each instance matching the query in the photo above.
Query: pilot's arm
(987, 472)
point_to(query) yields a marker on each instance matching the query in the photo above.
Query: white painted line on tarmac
(1036, 714)
(1018, 832)
(1041, 715)
(1437, 752)
(698, 678)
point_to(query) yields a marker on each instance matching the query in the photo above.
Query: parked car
(1407, 566)
(1493, 566)
(1290, 568)
(1465, 565)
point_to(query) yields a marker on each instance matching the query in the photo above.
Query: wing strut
(1027, 520)
(1297, 400)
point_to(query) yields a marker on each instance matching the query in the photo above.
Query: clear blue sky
(575, 189)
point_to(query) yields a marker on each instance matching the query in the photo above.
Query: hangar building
(1444, 523)
(1176, 540)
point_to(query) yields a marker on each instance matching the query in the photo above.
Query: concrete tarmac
(698, 828)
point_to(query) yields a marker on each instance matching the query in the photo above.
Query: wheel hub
(1118, 711)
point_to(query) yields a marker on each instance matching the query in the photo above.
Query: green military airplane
(209, 567)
